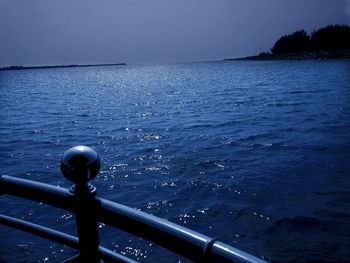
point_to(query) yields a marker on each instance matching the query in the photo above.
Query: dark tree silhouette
(335, 37)
(299, 41)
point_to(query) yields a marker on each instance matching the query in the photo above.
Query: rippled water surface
(256, 154)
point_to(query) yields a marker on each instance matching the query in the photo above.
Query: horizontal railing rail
(59, 237)
(89, 209)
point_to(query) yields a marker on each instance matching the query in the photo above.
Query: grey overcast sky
(49, 32)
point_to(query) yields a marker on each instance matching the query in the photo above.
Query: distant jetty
(331, 42)
(60, 66)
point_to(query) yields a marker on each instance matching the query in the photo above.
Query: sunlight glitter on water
(225, 148)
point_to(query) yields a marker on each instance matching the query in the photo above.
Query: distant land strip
(60, 66)
(329, 54)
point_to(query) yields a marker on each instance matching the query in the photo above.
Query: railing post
(80, 164)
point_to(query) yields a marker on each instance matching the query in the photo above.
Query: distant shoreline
(319, 55)
(330, 42)
(60, 66)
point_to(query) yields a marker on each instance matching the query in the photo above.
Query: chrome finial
(80, 164)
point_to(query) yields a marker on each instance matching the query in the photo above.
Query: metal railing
(81, 164)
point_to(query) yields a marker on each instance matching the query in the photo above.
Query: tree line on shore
(330, 38)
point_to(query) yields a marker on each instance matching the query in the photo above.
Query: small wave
(196, 126)
(301, 224)
(229, 123)
(329, 148)
(277, 146)
(308, 91)
(254, 137)
(211, 164)
(287, 104)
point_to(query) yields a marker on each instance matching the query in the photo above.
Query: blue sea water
(256, 154)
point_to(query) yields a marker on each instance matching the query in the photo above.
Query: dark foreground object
(81, 164)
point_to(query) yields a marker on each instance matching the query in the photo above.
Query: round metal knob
(80, 164)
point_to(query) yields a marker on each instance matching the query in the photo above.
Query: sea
(253, 153)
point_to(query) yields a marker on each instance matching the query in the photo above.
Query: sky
(55, 32)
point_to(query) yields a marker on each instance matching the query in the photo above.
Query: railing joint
(207, 251)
